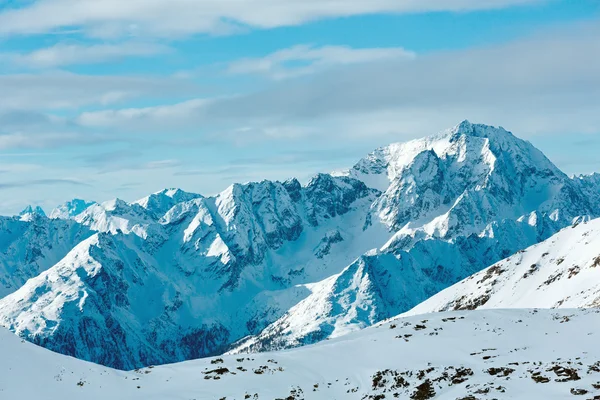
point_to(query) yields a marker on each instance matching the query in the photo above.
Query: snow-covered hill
(501, 354)
(177, 275)
(561, 272)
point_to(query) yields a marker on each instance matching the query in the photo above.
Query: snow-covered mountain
(70, 209)
(382, 284)
(561, 272)
(32, 245)
(500, 354)
(457, 182)
(30, 212)
(176, 275)
(146, 291)
(459, 201)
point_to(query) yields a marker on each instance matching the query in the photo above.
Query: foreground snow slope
(563, 271)
(501, 354)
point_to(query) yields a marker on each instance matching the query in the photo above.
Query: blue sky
(104, 99)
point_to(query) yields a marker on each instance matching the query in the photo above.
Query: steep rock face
(257, 224)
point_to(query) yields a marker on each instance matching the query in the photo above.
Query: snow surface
(501, 354)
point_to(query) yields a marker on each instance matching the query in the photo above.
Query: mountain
(160, 202)
(71, 209)
(457, 202)
(269, 265)
(382, 284)
(30, 212)
(560, 272)
(459, 181)
(589, 186)
(501, 354)
(144, 291)
(29, 246)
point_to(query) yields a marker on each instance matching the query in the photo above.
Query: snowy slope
(561, 272)
(289, 264)
(481, 354)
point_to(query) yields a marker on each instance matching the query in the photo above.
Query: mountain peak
(160, 202)
(464, 126)
(30, 210)
(479, 130)
(71, 209)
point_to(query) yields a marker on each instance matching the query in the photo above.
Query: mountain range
(273, 265)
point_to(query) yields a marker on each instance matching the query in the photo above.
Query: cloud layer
(183, 17)
(306, 59)
(63, 54)
(544, 84)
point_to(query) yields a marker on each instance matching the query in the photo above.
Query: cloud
(307, 59)
(157, 117)
(63, 90)
(25, 129)
(63, 54)
(23, 140)
(185, 17)
(560, 72)
(126, 160)
(42, 182)
(547, 83)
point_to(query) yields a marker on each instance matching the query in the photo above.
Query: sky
(106, 98)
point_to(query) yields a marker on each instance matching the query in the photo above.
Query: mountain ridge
(343, 249)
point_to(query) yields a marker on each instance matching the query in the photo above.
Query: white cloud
(306, 59)
(62, 90)
(183, 17)
(151, 118)
(540, 85)
(27, 140)
(63, 54)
